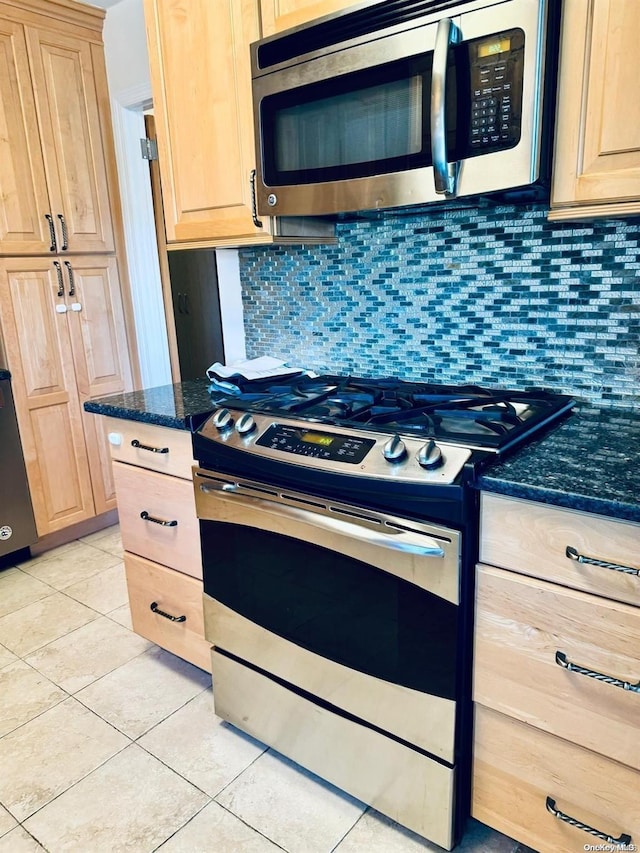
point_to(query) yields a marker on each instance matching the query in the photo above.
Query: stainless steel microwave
(402, 103)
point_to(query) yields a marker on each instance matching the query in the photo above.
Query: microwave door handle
(444, 173)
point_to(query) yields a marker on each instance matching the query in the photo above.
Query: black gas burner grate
(466, 414)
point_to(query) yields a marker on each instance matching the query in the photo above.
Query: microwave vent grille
(348, 26)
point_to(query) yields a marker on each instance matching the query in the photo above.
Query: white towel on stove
(253, 368)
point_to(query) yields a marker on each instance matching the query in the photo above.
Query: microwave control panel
(496, 73)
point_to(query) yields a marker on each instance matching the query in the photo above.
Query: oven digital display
(332, 447)
(491, 48)
(318, 438)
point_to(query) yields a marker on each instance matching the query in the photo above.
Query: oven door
(354, 607)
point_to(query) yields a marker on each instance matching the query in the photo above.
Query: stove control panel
(316, 443)
(331, 448)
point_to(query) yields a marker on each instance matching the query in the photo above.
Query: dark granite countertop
(590, 462)
(4, 374)
(167, 405)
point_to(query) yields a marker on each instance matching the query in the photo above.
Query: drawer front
(516, 767)
(158, 448)
(175, 595)
(402, 783)
(533, 538)
(145, 499)
(522, 625)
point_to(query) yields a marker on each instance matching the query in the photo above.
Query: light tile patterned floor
(108, 743)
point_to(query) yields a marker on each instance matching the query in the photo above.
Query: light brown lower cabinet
(518, 769)
(160, 535)
(62, 327)
(557, 676)
(166, 607)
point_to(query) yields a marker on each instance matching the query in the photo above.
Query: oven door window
(356, 125)
(338, 607)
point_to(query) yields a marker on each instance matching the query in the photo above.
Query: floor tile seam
(180, 828)
(249, 826)
(137, 737)
(238, 775)
(95, 680)
(173, 770)
(115, 557)
(40, 713)
(72, 631)
(31, 835)
(102, 550)
(55, 705)
(69, 788)
(18, 609)
(351, 828)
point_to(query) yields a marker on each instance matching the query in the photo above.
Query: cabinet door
(40, 357)
(100, 355)
(24, 202)
(597, 156)
(67, 104)
(201, 80)
(278, 15)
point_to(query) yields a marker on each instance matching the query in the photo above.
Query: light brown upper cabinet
(63, 330)
(53, 178)
(279, 15)
(201, 82)
(597, 150)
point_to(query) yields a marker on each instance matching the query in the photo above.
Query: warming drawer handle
(572, 554)
(154, 607)
(445, 174)
(561, 660)
(624, 839)
(419, 544)
(136, 443)
(146, 517)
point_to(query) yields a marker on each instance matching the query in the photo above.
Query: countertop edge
(554, 497)
(111, 411)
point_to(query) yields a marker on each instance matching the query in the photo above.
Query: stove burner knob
(430, 456)
(245, 424)
(394, 450)
(222, 420)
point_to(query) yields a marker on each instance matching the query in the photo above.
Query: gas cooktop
(466, 415)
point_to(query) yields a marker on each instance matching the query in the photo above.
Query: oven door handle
(396, 539)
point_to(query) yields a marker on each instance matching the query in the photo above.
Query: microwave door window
(367, 125)
(357, 125)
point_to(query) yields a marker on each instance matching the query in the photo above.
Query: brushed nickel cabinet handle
(154, 607)
(572, 554)
(551, 807)
(144, 515)
(52, 232)
(136, 443)
(561, 660)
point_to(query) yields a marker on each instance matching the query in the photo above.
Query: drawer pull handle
(572, 554)
(146, 517)
(551, 807)
(561, 660)
(136, 443)
(154, 607)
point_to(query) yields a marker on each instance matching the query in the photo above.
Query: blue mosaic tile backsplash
(491, 295)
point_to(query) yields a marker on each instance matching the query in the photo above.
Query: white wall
(127, 60)
(125, 44)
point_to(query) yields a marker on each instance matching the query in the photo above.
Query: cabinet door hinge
(149, 149)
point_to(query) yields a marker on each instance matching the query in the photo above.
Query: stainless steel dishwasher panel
(17, 525)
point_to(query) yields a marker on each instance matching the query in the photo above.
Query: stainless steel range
(339, 535)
